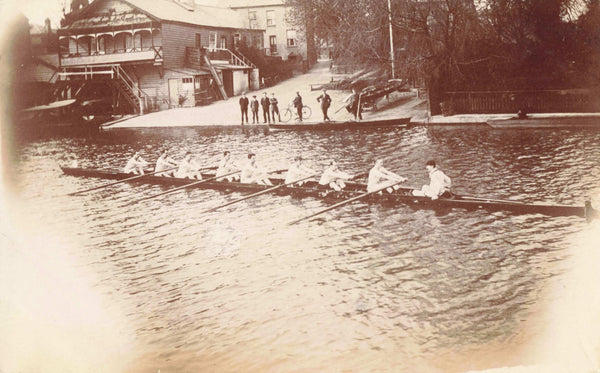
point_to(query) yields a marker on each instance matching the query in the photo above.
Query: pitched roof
(203, 15)
(255, 3)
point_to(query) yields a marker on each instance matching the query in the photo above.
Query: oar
(343, 203)
(257, 194)
(183, 187)
(120, 181)
(343, 106)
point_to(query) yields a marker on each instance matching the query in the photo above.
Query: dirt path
(227, 112)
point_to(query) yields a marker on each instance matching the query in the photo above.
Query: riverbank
(396, 105)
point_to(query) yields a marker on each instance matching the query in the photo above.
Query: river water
(97, 285)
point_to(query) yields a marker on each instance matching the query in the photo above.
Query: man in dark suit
(325, 101)
(297, 102)
(264, 102)
(244, 107)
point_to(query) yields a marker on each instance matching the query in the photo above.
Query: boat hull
(312, 189)
(333, 125)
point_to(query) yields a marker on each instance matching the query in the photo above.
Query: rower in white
(333, 177)
(188, 168)
(163, 163)
(379, 178)
(439, 183)
(135, 165)
(226, 166)
(252, 174)
(297, 171)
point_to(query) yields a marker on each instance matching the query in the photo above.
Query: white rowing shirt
(331, 174)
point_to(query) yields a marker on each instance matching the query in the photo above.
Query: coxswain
(379, 178)
(188, 168)
(333, 177)
(439, 183)
(298, 171)
(251, 174)
(135, 165)
(226, 166)
(163, 163)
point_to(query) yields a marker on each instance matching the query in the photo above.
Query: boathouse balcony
(110, 47)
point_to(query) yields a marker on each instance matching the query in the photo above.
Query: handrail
(244, 58)
(129, 82)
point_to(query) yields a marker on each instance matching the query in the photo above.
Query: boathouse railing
(547, 101)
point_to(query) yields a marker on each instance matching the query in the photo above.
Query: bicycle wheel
(287, 115)
(306, 112)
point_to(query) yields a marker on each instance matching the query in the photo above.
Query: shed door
(173, 92)
(228, 82)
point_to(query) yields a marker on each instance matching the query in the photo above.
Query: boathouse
(153, 55)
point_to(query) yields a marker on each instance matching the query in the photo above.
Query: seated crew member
(379, 178)
(439, 183)
(333, 177)
(251, 174)
(226, 166)
(135, 165)
(297, 171)
(188, 168)
(164, 162)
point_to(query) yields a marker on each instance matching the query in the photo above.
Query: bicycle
(291, 111)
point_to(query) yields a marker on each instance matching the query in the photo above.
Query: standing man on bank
(264, 102)
(254, 109)
(244, 107)
(274, 108)
(325, 101)
(297, 102)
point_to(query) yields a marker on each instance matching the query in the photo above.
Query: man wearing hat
(244, 107)
(254, 108)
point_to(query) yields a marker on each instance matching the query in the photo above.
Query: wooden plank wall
(555, 101)
(175, 37)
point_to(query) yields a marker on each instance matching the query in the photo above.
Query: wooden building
(156, 54)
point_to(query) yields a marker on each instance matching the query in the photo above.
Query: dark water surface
(361, 289)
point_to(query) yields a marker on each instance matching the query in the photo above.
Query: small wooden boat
(540, 121)
(333, 125)
(312, 189)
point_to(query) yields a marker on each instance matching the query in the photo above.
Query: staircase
(215, 76)
(72, 77)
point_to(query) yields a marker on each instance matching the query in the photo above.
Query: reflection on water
(362, 288)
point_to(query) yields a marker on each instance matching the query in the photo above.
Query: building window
(212, 40)
(252, 15)
(198, 40)
(223, 42)
(187, 80)
(236, 39)
(273, 44)
(270, 18)
(291, 38)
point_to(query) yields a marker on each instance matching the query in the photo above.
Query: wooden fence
(551, 101)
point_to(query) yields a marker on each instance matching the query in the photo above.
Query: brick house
(152, 55)
(281, 38)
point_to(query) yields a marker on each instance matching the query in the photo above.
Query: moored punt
(400, 196)
(538, 121)
(333, 125)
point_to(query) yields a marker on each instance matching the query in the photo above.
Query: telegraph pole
(391, 39)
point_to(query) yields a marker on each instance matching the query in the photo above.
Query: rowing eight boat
(312, 189)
